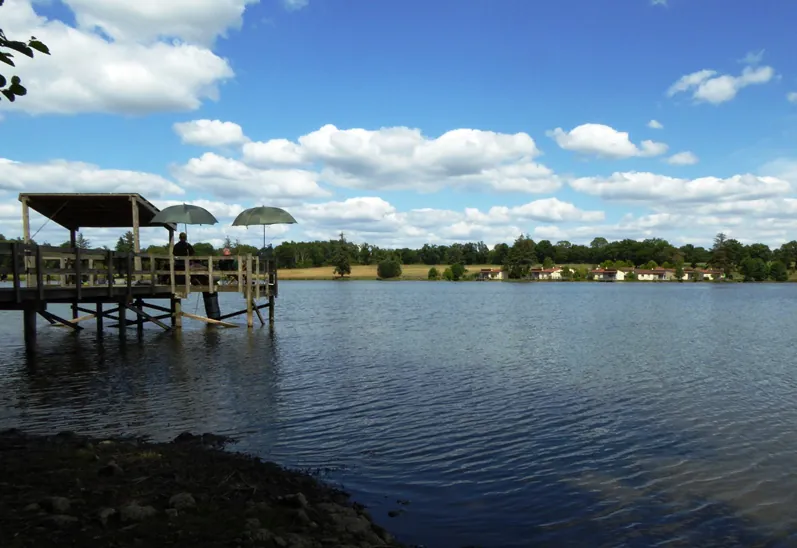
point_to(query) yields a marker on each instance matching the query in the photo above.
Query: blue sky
(335, 110)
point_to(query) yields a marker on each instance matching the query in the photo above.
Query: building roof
(101, 210)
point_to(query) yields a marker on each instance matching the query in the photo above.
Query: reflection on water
(509, 415)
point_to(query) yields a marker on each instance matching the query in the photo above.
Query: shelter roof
(101, 210)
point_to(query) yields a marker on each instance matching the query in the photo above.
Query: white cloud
(402, 158)
(653, 188)
(66, 176)
(210, 133)
(293, 5)
(792, 97)
(752, 57)
(686, 158)
(658, 3)
(604, 141)
(131, 72)
(231, 179)
(707, 86)
(655, 124)
(195, 21)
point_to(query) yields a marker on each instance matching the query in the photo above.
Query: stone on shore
(189, 492)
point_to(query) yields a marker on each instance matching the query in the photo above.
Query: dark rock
(32, 507)
(111, 469)
(136, 512)
(105, 514)
(172, 513)
(253, 524)
(181, 501)
(395, 513)
(62, 520)
(56, 505)
(297, 500)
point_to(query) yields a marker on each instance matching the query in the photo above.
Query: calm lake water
(507, 414)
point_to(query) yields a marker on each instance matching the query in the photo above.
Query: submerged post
(99, 318)
(29, 321)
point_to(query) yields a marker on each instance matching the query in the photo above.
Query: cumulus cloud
(125, 56)
(231, 179)
(655, 124)
(711, 87)
(604, 141)
(403, 158)
(66, 176)
(650, 187)
(686, 158)
(210, 133)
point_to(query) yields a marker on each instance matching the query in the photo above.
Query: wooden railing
(45, 267)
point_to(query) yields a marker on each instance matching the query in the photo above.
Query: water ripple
(509, 415)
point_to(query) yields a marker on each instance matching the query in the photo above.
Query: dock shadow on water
(475, 414)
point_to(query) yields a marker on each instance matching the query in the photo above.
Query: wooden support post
(177, 314)
(78, 274)
(29, 321)
(26, 237)
(16, 271)
(92, 277)
(271, 311)
(211, 283)
(99, 318)
(122, 318)
(39, 273)
(187, 265)
(136, 241)
(153, 277)
(62, 278)
(140, 313)
(109, 267)
(250, 320)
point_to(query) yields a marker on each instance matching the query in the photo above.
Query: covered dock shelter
(93, 277)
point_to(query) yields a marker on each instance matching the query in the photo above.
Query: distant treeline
(727, 254)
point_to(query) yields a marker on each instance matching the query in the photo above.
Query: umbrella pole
(264, 236)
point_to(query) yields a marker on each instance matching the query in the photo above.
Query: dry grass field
(366, 272)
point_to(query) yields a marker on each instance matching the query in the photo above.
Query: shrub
(457, 271)
(448, 275)
(434, 274)
(389, 268)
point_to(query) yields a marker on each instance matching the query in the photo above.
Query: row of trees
(752, 261)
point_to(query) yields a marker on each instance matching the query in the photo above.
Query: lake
(548, 414)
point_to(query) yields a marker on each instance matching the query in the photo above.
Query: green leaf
(39, 46)
(6, 58)
(8, 94)
(21, 47)
(18, 89)
(15, 81)
(3, 81)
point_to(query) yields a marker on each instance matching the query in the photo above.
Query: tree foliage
(341, 259)
(434, 274)
(13, 88)
(389, 268)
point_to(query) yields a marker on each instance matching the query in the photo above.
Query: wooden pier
(101, 284)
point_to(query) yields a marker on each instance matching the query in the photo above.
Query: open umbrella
(263, 215)
(186, 214)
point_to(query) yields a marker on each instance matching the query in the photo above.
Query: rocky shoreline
(70, 490)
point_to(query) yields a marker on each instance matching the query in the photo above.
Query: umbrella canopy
(263, 215)
(186, 214)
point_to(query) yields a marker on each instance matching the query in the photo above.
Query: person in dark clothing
(181, 249)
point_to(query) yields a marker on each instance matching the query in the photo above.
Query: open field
(367, 272)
